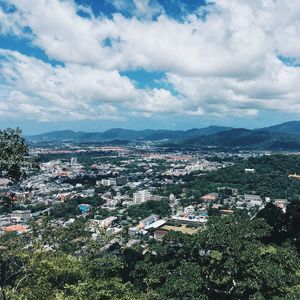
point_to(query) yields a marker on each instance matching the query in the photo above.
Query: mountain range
(126, 134)
(285, 136)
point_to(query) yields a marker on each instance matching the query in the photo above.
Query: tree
(228, 260)
(13, 261)
(14, 155)
(275, 218)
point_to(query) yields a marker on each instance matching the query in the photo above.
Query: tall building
(73, 160)
(141, 196)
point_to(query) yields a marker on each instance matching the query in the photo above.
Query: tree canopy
(230, 259)
(14, 154)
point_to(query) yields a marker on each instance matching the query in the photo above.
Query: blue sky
(173, 64)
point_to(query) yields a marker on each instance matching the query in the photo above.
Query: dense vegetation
(231, 259)
(143, 210)
(125, 135)
(14, 154)
(269, 180)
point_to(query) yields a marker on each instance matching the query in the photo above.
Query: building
(159, 234)
(108, 222)
(20, 215)
(281, 203)
(121, 180)
(190, 220)
(133, 231)
(148, 221)
(141, 196)
(73, 160)
(15, 228)
(295, 176)
(249, 198)
(253, 200)
(189, 210)
(252, 171)
(210, 197)
(106, 182)
(65, 196)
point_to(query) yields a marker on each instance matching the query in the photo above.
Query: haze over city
(93, 65)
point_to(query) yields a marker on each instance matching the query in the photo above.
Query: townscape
(92, 205)
(149, 150)
(106, 186)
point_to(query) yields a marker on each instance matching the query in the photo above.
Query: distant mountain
(292, 127)
(125, 135)
(284, 136)
(250, 139)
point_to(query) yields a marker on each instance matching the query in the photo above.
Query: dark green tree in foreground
(14, 155)
(228, 260)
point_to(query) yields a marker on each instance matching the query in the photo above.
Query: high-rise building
(141, 196)
(73, 160)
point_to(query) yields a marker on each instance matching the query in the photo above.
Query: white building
(106, 182)
(148, 221)
(73, 160)
(20, 215)
(105, 223)
(141, 196)
(189, 210)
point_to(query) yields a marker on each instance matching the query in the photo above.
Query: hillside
(125, 134)
(292, 127)
(284, 136)
(248, 139)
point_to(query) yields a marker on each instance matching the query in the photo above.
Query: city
(101, 203)
(114, 181)
(149, 150)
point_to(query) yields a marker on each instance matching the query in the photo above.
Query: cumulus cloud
(69, 92)
(44, 92)
(139, 8)
(219, 60)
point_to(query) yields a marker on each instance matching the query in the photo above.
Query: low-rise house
(281, 203)
(20, 215)
(210, 197)
(147, 221)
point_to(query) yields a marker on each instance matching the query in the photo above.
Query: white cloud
(226, 64)
(157, 101)
(223, 45)
(44, 92)
(140, 8)
(9, 24)
(71, 92)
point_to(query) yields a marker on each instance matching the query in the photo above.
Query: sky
(91, 65)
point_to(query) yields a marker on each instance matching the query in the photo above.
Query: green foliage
(143, 210)
(269, 180)
(285, 227)
(14, 154)
(225, 261)
(69, 209)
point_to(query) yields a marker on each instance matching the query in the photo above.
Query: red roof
(19, 228)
